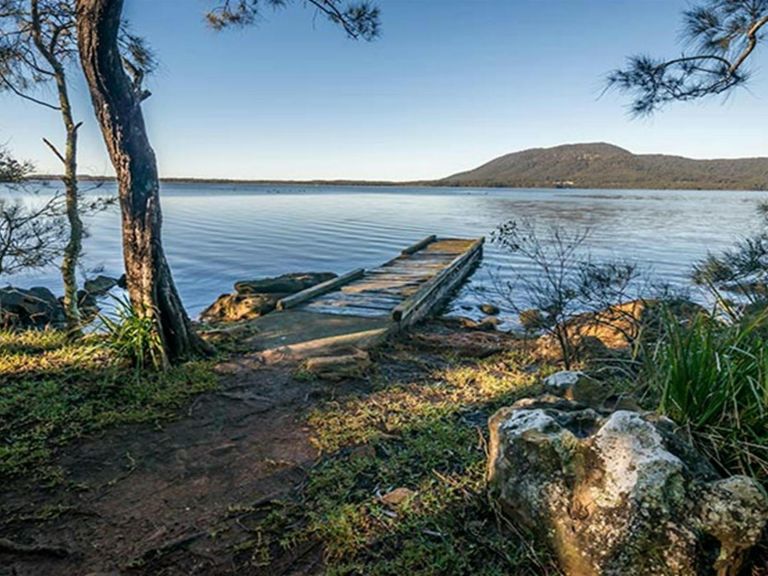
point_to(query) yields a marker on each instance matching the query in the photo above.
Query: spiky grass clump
(712, 378)
(133, 336)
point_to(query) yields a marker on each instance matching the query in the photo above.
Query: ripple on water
(216, 234)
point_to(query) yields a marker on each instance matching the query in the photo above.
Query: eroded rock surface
(578, 386)
(254, 298)
(236, 307)
(284, 284)
(619, 494)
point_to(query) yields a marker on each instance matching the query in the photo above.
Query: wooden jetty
(362, 307)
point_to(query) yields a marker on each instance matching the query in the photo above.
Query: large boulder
(254, 298)
(284, 284)
(619, 494)
(33, 308)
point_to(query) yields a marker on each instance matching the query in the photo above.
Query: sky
(449, 85)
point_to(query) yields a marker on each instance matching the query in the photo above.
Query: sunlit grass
(398, 407)
(53, 390)
(425, 432)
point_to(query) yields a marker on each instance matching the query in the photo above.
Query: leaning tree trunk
(117, 103)
(69, 159)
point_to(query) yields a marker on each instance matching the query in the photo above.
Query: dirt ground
(136, 494)
(141, 500)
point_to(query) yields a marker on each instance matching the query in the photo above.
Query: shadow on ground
(273, 474)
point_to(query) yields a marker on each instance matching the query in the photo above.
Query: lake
(216, 234)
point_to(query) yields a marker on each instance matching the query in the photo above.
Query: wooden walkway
(371, 304)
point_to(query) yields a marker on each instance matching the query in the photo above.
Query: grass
(53, 390)
(426, 432)
(132, 336)
(712, 378)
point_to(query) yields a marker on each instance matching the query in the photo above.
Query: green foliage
(357, 19)
(742, 269)
(54, 390)
(723, 34)
(712, 378)
(12, 170)
(133, 336)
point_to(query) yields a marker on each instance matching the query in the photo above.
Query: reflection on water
(216, 234)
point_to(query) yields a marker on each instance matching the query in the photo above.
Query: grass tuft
(712, 378)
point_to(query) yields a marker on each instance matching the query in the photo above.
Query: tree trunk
(117, 104)
(75, 243)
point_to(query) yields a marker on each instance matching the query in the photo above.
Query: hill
(600, 165)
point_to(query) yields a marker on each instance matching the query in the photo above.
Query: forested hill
(603, 165)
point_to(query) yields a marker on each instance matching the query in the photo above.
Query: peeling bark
(117, 104)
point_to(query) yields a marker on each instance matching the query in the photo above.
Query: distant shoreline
(589, 166)
(411, 184)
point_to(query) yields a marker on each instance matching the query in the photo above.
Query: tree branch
(58, 154)
(21, 94)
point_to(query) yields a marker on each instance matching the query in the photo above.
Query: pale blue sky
(448, 85)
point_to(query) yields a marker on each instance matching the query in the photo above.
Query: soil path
(148, 500)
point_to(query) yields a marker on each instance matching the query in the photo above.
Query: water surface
(216, 234)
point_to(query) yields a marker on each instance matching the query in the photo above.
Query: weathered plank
(419, 245)
(349, 311)
(405, 288)
(322, 288)
(417, 306)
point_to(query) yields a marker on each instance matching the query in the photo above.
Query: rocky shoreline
(39, 308)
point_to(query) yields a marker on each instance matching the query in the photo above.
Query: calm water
(217, 234)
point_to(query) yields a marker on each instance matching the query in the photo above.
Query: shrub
(561, 287)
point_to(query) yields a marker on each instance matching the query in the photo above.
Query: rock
(122, 282)
(560, 382)
(490, 309)
(285, 284)
(618, 326)
(397, 496)
(100, 285)
(575, 385)
(236, 307)
(254, 298)
(620, 494)
(732, 510)
(532, 320)
(488, 324)
(339, 367)
(33, 308)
